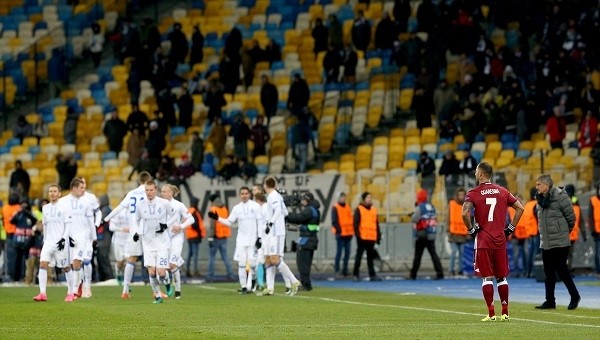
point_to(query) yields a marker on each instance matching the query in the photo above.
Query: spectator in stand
(471, 120)
(217, 138)
(426, 167)
(22, 129)
(588, 130)
(402, 12)
(444, 99)
(422, 105)
(149, 35)
(272, 51)
(179, 44)
(247, 68)
(214, 99)
(240, 133)
(468, 164)
(166, 106)
(595, 155)
(298, 96)
(159, 66)
(156, 142)
(320, 34)
(40, 129)
(229, 169)
(331, 64)
(135, 143)
(385, 33)
(247, 170)
(197, 52)
(349, 60)
(259, 134)
(70, 126)
(166, 169)
(269, 97)
(58, 72)
(137, 120)
(197, 150)
(335, 31)
(144, 163)
(134, 84)
(233, 44)
(131, 44)
(66, 166)
(115, 130)
(19, 180)
(184, 171)
(361, 32)
(97, 44)
(229, 69)
(301, 137)
(413, 50)
(450, 168)
(185, 104)
(556, 127)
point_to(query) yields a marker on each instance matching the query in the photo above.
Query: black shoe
(243, 291)
(375, 278)
(177, 295)
(439, 277)
(356, 278)
(547, 305)
(574, 303)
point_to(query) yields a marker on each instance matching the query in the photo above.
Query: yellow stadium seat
(29, 141)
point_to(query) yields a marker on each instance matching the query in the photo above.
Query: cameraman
(308, 219)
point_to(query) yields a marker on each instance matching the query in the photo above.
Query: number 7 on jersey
(491, 201)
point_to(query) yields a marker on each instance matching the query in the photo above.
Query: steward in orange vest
(457, 231)
(194, 234)
(594, 214)
(366, 228)
(343, 228)
(579, 226)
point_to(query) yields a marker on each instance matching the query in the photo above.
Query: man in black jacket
(308, 219)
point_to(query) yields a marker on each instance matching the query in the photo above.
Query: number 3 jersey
(491, 203)
(149, 216)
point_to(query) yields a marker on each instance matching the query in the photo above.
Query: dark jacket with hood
(308, 219)
(555, 217)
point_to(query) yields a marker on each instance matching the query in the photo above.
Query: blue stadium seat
(48, 118)
(478, 155)
(464, 147)
(198, 4)
(523, 154)
(408, 81)
(251, 113)
(12, 142)
(34, 149)
(4, 149)
(109, 155)
(412, 156)
(177, 131)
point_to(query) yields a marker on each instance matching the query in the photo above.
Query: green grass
(217, 311)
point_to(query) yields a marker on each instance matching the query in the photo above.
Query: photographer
(308, 219)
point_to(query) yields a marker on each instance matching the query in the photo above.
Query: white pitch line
(424, 309)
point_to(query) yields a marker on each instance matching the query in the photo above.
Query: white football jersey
(118, 223)
(247, 215)
(149, 216)
(179, 215)
(76, 213)
(53, 220)
(130, 203)
(276, 212)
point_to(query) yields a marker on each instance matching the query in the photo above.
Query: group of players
(152, 226)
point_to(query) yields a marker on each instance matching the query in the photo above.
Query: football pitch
(216, 310)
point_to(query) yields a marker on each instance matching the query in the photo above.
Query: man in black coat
(361, 32)
(269, 97)
(179, 44)
(115, 130)
(185, 103)
(321, 34)
(19, 180)
(298, 95)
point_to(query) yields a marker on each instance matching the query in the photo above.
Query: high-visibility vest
(345, 221)
(8, 211)
(190, 233)
(528, 218)
(574, 235)
(521, 232)
(456, 225)
(221, 230)
(595, 203)
(368, 223)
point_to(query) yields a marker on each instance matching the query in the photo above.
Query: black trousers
(369, 247)
(304, 259)
(420, 245)
(555, 262)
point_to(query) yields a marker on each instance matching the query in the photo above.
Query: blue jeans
(534, 249)
(343, 244)
(457, 249)
(519, 248)
(11, 255)
(219, 244)
(597, 254)
(192, 260)
(302, 154)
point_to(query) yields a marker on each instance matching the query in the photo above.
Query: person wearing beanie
(217, 239)
(343, 228)
(579, 225)
(594, 218)
(424, 229)
(366, 229)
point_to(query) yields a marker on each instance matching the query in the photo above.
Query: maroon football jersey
(491, 202)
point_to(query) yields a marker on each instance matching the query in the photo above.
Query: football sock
(76, 279)
(128, 276)
(286, 272)
(69, 278)
(87, 274)
(260, 274)
(270, 277)
(43, 278)
(488, 295)
(166, 279)
(242, 275)
(118, 270)
(155, 286)
(503, 293)
(177, 279)
(249, 280)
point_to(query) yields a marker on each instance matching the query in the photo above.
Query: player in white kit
(77, 212)
(247, 214)
(94, 219)
(133, 250)
(275, 238)
(119, 225)
(56, 244)
(259, 197)
(151, 229)
(180, 220)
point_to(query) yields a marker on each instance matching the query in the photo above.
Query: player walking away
(178, 222)
(82, 232)
(94, 219)
(151, 224)
(55, 248)
(491, 203)
(247, 215)
(133, 250)
(119, 225)
(275, 239)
